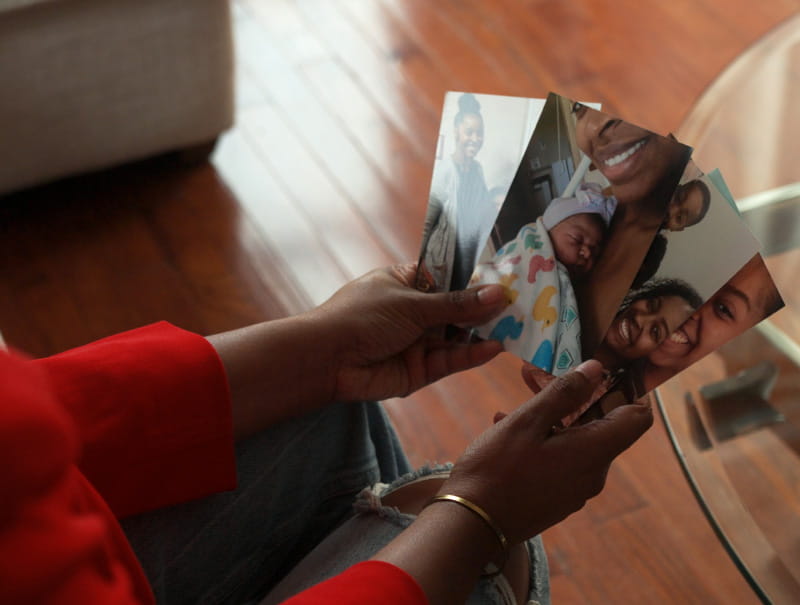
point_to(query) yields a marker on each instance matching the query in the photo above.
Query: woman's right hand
(528, 475)
(525, 475)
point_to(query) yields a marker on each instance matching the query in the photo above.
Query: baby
(577, 229)
(541, 324)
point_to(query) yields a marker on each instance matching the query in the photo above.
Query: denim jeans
(297, 483)
(372, 526)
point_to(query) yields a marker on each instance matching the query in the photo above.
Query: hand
(384, 337)
(369, 341)
(528, 476)
(537, 379)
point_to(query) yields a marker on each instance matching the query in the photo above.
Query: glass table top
(740, 448)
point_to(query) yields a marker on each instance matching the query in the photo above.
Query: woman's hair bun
(467, 103)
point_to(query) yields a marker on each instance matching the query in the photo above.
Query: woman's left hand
(387, 337)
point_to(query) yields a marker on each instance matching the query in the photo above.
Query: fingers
(562, 396)
(535, 377)
(462, 307)
(604, 439)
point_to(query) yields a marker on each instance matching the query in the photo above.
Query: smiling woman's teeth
(624, 330)
(679, 336)
(624, 155)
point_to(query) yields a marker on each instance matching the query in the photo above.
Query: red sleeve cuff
(153, 412)
(367, 582)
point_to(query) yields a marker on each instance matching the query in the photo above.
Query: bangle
(486, 519)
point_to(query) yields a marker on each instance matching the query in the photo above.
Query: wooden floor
(325, 176)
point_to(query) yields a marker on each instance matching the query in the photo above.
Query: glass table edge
(715, 524)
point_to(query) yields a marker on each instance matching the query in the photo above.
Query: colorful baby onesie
(541, 325)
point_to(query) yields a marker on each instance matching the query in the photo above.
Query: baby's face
(684, 209)
(577, 241)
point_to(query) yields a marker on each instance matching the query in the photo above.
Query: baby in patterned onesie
(538, 269)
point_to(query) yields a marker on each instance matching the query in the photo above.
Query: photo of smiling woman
(645, 320)
(643, 170)
(459, 201)
(747, 298)
(481, 140)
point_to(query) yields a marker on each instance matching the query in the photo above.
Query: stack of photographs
(609, 241)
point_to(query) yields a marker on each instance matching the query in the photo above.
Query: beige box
(88, 84)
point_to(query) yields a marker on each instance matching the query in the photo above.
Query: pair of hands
(524, 473)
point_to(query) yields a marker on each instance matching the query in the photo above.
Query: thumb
(462, 307)
(563, 395)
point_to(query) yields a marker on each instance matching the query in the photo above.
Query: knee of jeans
(489, 590)
(369, 499)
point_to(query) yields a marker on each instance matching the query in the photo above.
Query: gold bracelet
(486, 519)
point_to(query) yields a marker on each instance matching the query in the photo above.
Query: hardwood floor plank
(387, 176)
(417, 80)
(102, 257)
(663, 551)
(472, 397)
(475, 27)
(462, 64)
(350, 169)
(270, 211)
(369, 71)
(347, 236)
(577, 43)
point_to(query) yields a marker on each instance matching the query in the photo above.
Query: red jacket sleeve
(153, 414)
(58, 543)
(364, 583)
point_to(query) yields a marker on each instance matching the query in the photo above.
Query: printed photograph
(702, 244)
(587, 200)
(637, 367)
(703, 241)
(481, 142)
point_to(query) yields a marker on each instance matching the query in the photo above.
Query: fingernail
(591, 369)
(491, 295)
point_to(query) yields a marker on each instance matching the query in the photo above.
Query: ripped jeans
(291, 522)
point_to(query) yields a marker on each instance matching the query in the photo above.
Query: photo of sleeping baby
(586, 202)
(481, 142)
(539, 269)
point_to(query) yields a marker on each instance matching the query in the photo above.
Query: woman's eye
(656, 334)
(723, 310)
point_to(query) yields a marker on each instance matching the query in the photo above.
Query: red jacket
(125, 425)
